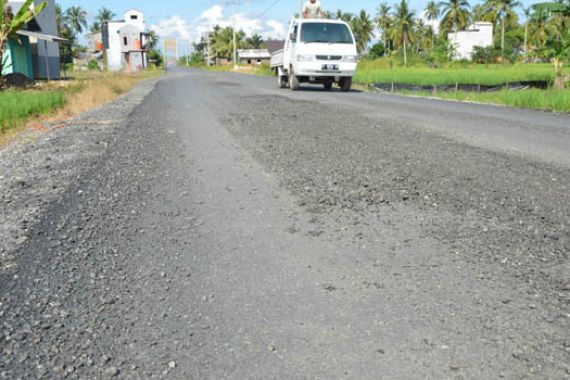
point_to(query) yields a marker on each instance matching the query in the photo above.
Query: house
(35, 52)
(478, 34)
(275, 45)
(253, 56)
(124, 43)
(95, 48)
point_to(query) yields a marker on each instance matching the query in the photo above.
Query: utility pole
(234, 37)
(300, 8)
(187, 53)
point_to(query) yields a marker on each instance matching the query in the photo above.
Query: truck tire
(294, 84)
(281, 81)
(345, 84)
(327, 86)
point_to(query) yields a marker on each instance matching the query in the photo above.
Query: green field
(552, 100)
(17, 106)
(379, 71)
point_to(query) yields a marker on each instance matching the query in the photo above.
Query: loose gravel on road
(207, 226)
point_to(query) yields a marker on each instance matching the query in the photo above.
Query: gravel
(173, 238)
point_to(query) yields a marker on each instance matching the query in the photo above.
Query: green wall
(18, 57)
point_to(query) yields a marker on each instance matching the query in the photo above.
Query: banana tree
(10, 23)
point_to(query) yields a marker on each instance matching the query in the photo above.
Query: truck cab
(316, 51)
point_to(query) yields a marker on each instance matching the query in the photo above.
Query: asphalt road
(222, 228)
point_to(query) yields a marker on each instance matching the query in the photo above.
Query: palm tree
(152, 40)
(455, 14)
(95, 28)
(479, 13)
(384, 21)
(432, 14)
(344, 16)
(527, 17)
(501, 10)
(104, 15)
(363, 29)
(403, 24)
(76, 17)
(432, 10)
(255, 41)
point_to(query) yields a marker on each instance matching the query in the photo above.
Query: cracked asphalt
(208, 225)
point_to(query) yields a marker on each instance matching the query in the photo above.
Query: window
(134, 17)
(325, 32)
(125, 41)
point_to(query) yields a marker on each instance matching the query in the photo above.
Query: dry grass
(87, 91)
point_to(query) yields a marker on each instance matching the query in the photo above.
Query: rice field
(379, 71)
(551, 99)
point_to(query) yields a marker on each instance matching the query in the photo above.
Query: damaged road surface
(222, 228)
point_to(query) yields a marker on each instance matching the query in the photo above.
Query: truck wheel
(327, 86)
(281, 81)
(293, 81)
(345, 84)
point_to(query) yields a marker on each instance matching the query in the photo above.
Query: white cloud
(177, 27)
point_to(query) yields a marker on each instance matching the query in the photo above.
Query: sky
(188, 19)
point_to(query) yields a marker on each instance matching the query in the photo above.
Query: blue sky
(186, 19)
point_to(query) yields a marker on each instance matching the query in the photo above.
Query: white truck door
(292, 44)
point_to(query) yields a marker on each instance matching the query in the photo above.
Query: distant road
(234, 230)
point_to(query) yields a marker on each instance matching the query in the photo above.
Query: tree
(152, 40)
(384, 21)
(455, 14)
(501, 9)
(76, 18)
(432, 10)
(104, 15)
(363, 30)
(95, 28)
(403, 25)
(10, 24)
(432, 14)
(255, 41)
(222, 41)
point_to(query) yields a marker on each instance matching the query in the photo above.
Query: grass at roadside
(379, 71)
(62, 99)
(17, 106)
(553, 100)
(261, 70)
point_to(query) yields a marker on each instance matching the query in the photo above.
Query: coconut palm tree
(502, 9)
(152, 40)
(455, 14)
(76, 17)
(403, 25)
(432, 10)
(384, 21)
(254, 41)
(432, 14)
(95, 28)
(344, 16)
(104, 15)
(363, 29)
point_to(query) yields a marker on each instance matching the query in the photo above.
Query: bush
(376, 51)
(93, 65)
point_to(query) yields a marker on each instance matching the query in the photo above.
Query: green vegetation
(379, 71)
(16, 106)
(554, 100)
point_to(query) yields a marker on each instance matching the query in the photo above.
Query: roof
(253, 53)
(41, 36)
(275, 45)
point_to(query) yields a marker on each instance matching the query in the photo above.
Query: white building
(478, 34)
(124, 42)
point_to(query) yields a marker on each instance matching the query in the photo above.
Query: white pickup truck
(316, 51)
